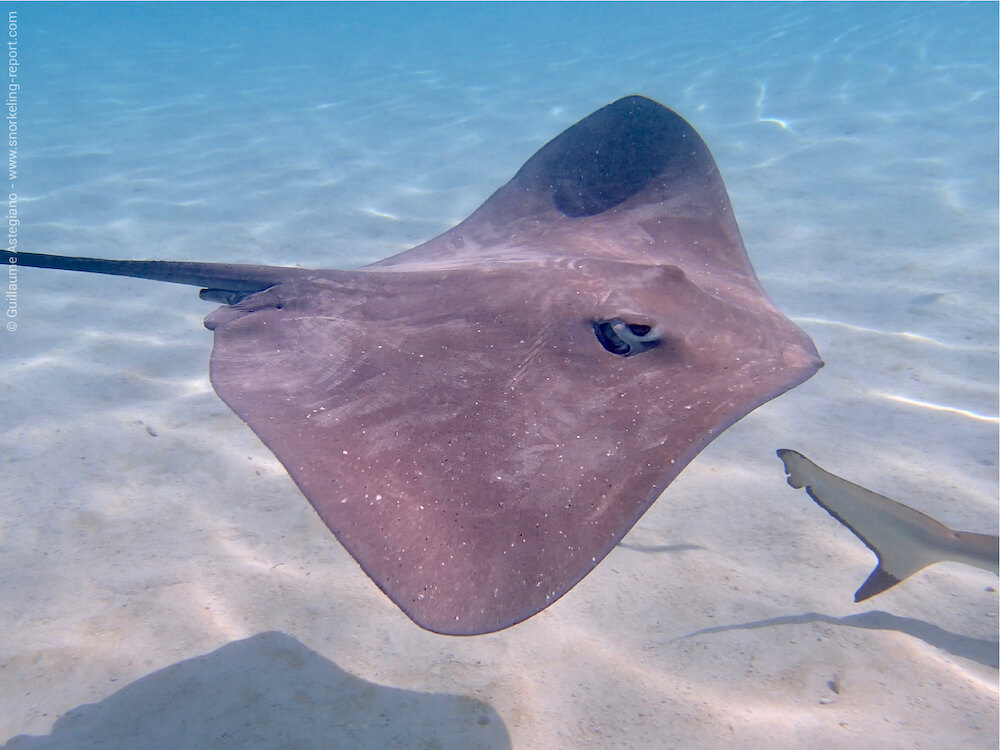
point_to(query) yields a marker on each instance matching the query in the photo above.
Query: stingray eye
(625, 339)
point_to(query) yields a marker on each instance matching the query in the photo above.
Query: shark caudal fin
(904, 540)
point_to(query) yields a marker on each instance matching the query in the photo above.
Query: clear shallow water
(859, 146)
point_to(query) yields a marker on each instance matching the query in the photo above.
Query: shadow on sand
(270, 691)
(982, 651)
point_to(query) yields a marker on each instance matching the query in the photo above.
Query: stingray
(480, 419)
(904, 540)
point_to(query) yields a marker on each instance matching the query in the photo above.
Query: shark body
(904, 540)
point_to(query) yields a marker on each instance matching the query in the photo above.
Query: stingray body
(480, 419)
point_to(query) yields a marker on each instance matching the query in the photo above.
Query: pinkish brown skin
(450, 412)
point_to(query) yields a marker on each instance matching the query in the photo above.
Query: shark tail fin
(904, 540)
(880, 580)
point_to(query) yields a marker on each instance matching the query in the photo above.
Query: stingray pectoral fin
(904, 540)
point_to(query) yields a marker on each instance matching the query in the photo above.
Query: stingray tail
(221, 282)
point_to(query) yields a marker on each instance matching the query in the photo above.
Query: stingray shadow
(270, 691)
(982, 651)
(652, 548)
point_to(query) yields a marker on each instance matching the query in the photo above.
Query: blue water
(859, 146)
